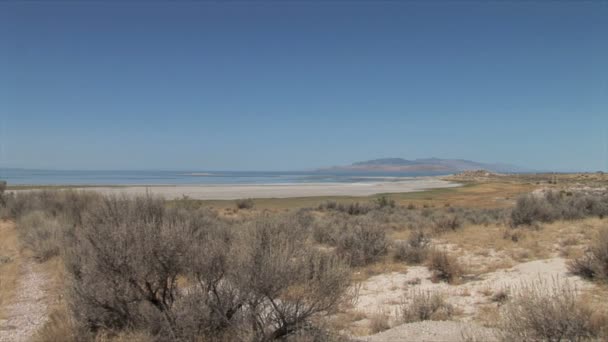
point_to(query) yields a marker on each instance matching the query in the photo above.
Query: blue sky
(299, 85)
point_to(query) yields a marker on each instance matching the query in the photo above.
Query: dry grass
(445, 267)
(414, 250)
(593, 264)
(379, 322)
(9, 265)
(552, 239)
(424, 306)
(551, 312)
(384, 265)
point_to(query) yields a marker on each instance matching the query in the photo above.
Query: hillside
(423, 165)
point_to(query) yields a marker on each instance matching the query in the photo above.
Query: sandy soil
(27, 312)
(436, 331)
(231, 191)
(387, 292)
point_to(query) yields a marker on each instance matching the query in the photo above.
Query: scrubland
(492, 260)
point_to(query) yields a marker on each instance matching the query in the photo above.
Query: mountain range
(434, 165)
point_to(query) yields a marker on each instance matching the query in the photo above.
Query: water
(64, 177)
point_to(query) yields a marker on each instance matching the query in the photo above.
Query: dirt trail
(27, 311)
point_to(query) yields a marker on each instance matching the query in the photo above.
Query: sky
(297, 85)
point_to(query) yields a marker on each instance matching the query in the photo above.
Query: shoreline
(279, 190)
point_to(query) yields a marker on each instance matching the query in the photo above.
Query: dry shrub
(445, 267)
(446, 223)
(501, 296)
(530, 208)
(66, 205)
(424, 306)
(2, 189)
(414, 250)
(244, 203)
(124, 336)
(552, 206)
(180, 275)
(354, 208)
(125, 261)
(594, 263)
(379, 322)
(278, 272)
(361, 242)
(543, 311)
(384, 202)
(41, 234)
(59, 327)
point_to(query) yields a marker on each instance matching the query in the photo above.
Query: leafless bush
(424, 306)
(286, 277)
(361, 242)
(444, 266)
(245, 203)
(594, 263)
(66, 205)
(41, 234)
(325, 230)
(125, 261)
(260, 280)
(541, 311)
(446, 223)
(415, 249)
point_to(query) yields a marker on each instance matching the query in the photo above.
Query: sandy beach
(232, 191)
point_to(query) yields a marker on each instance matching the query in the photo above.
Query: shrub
(444, 266)
(327, 205)
(41, 234)
(415, 249)
(260, 280)
(354, 208)
(2, 189)
(554, 206)
(379, 322)
(125, 261)
(424, 306)
(385, 202)
(594, 263)
(361, 242)
(547, 312)
(66, 205)
(529, 209)
(446, 223)
(245, 203)
(283, 275)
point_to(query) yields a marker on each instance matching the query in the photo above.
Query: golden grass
(384, 265)
(10, 250)
(562, 238)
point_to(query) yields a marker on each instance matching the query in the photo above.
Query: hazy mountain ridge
(424, 164)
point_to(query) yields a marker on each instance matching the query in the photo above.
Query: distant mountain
(434, 165)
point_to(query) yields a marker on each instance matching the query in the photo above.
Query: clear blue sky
(300, 85)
